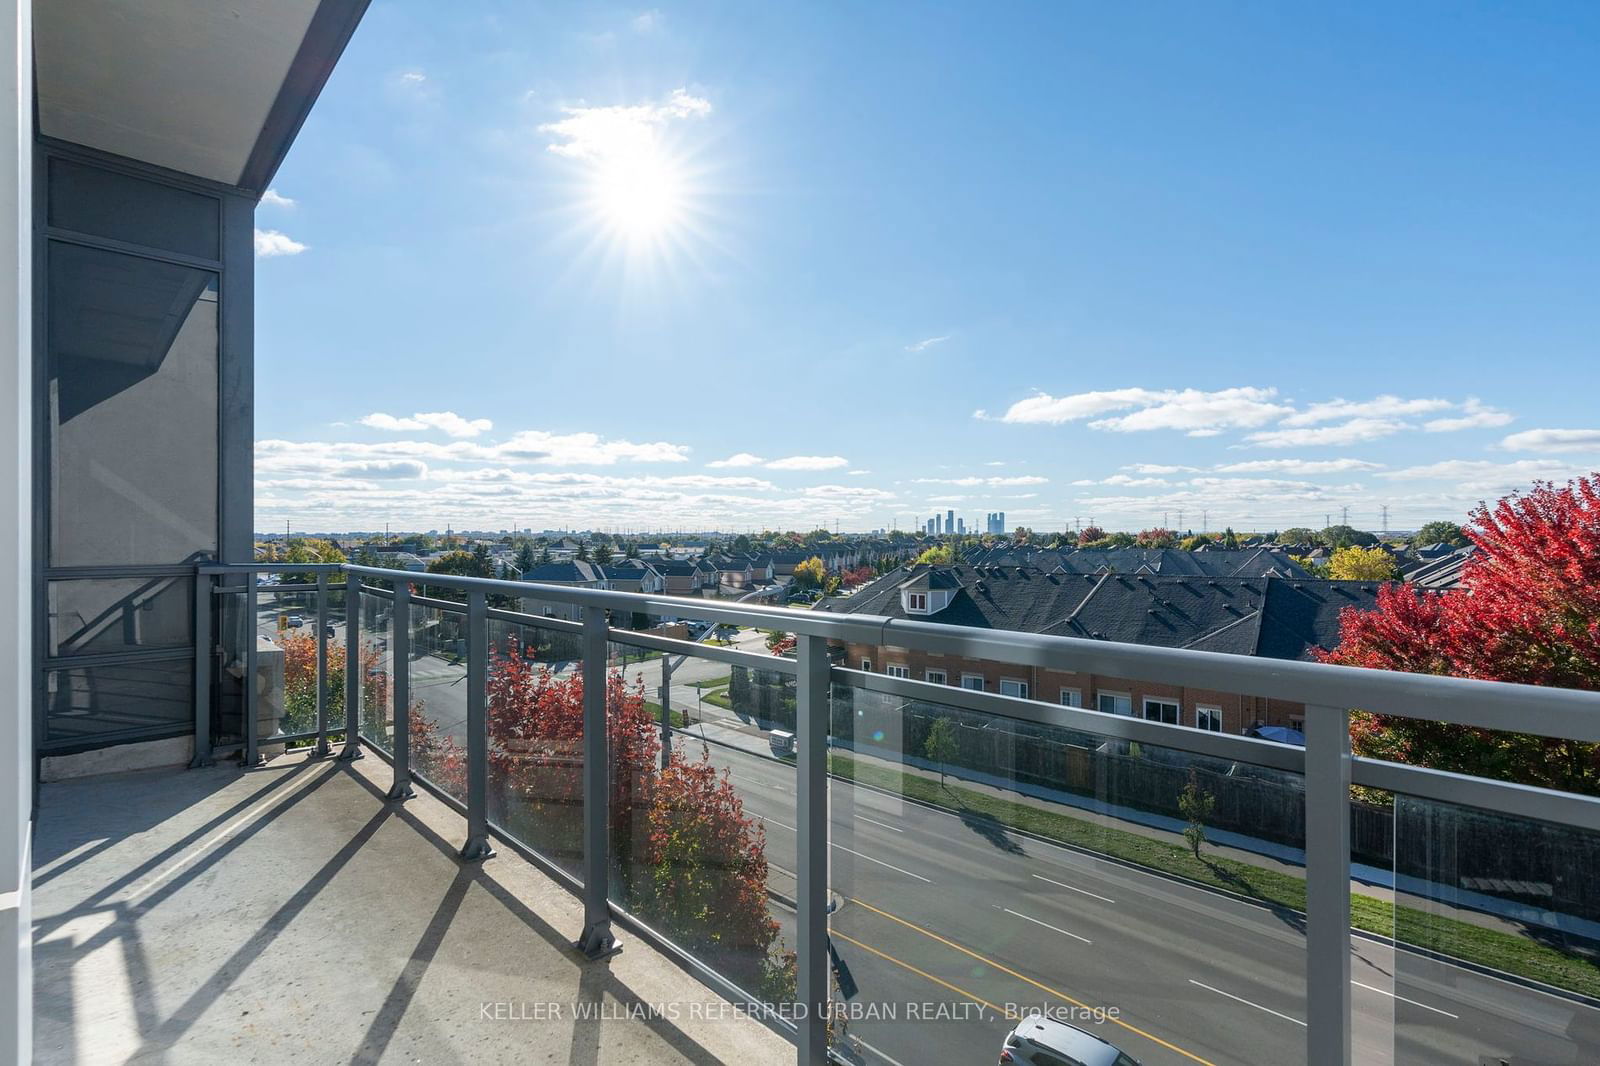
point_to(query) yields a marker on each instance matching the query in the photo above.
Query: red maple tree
(1527, 610)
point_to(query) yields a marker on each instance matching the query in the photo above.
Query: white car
(1041, 1041)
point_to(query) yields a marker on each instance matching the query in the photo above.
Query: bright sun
(640, 194)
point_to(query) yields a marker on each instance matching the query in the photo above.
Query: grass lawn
(679, 719)
(712, 682)
(1464, 940)
(718, 698)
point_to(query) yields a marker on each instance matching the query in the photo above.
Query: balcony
(930, 863)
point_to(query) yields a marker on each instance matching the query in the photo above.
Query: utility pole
(1385, 511)
(1344, 514)
(1205, 521)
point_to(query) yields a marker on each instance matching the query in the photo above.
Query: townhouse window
(1071, 697)
(937, 677)
(972, 681)
(1114, 703)
(1010, 686)
(1208, 718)
(897, 670)
(866, 666)
(917, 601)
(1161, 711)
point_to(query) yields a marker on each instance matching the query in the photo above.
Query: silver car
(1041, 1041)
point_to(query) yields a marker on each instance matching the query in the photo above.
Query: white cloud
(1379, 407)
(1483, 476)
(413, 77)
(1192, 411)
(1475, 414)
(1161, 468)
(600, 134)
(926, 343)
(587, 449)
(992, 482)
(808, 462)
(447, 422)
(739, 459)
(271, 242)
(1354, 431)
(646, 21)
(1553, 440)
(858, 473)
(273, 198)
(1298, 466)
(1125, 481)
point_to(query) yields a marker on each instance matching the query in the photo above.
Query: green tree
(1298, 535)
(938, 555)
(1344, 536)
(1442, 533)
(1362, 564)
(811, 574)
(940, 745)
(1196, 805)
(526, 559)
(603, 554)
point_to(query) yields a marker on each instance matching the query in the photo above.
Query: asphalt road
(944, 911)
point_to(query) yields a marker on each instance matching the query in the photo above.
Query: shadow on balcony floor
(289, 915)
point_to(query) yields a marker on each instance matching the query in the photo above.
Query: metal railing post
(322, 749)
(400, 691)
(352, 668)
(1327, 731)
(477, 845)
(666, 710)
(204, 645)
(812, 994)
(252, 678)
(597, 940)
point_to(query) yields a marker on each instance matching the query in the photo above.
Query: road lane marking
(880, 862)
(963, 993)
(857, 854)
(1047, 925)
(1025, 979)
(1402, 999)
(891, 1060)
(1074, 888)
(874, 821)
(1246, 1002)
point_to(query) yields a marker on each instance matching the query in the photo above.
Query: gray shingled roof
(1270, 616)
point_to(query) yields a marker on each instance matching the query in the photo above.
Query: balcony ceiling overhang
(212, 88)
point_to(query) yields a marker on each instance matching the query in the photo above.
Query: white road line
(1402, 999)
(1047, 925)
(886, 1058)
(880, 862)
(874, 821)
(1246, 1002)
(857, 854)
(1074, 888)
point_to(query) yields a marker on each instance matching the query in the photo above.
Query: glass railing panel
(437, 676)
(535, 722)
(377, 669)
(703, 818)
(987, 868)
(1496, 957)
(231, 617)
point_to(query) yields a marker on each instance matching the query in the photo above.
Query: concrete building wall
(16, 526)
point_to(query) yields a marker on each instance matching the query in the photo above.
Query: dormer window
(917, 601)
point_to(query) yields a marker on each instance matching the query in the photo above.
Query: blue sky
(732, 266)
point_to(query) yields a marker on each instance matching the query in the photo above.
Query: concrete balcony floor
(288, 914)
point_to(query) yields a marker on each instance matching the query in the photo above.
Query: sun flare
(641, 196)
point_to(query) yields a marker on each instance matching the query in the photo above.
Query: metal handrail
(1326, 764)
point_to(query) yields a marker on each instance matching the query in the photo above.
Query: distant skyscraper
(950, 521)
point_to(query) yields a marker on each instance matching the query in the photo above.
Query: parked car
(1041, 1041)
(295, 621)
(781, 743)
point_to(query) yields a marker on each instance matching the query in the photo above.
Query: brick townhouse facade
(1269, 616)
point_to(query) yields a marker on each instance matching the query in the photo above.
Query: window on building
(897, 670)
(937, 677)
(1010, 686)
(972, 681)
(1208, 718)
(866, 666)
(1071, 697)
(1161, 711)
(1114, 703)
(916, 601)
